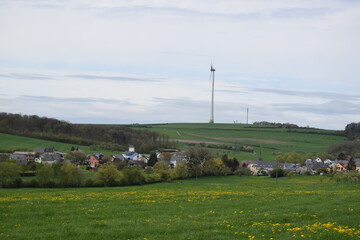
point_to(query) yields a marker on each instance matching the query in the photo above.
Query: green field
(270, 140)
(12, 142)
(232, 207)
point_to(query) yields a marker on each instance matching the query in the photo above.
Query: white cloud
(154, 56)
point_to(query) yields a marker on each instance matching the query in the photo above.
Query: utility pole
(247, 116)
(212, 72)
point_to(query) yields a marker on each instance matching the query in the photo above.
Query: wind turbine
(212, 74)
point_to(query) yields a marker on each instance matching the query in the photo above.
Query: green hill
(11, 142)
(271, 141)
(237, 140)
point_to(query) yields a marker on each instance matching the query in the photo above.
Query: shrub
(216, 167)
(181, 171)
(9, 173)
(163, 170)
(243, 171)
(89, 182)
(32, 183)
(70, 175)
(133, 176)
(277, 172)
(108, 174)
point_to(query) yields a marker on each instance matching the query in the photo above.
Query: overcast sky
(148, 61)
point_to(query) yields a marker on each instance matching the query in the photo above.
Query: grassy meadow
(272, 141)
(311, 207)
(11, 142)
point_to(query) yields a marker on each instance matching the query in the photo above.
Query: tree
(152, 160)
(341, 156)
(70, 175)
(133, 176)
(9, 173)
(163, 170)
(231, 163)
(351, 165)
(290, 157)
(76, 156)
(44, 175)
(216, 167)
(108, 174)
(197, 156)
(182, 170)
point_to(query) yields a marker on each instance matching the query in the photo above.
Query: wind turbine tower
(212, 75)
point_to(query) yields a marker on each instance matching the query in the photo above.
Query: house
(130, 155)
(117, 158)
(264, 168)
(42, 150)
(19, 158)
(48, 158)
(177, 157)
(136, 163)
(246, 163)
(131, 148)
(29, 155)
(357, 164)
(313, 165)
(327, 162)
(339, 165)
(95, 159)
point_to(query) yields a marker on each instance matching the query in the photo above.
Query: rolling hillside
(12, 142)
(270, 140)
(221, 138)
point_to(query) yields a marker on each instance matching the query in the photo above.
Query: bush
(181, 171)
(9, 174)
(216, 167)
(70, 175)
(33, 183)
(243, 171)
(99, 183)
(89, 182)
(163, 170)
(277, 172)
(351, 177)
(108, 174)
(132, 176)
(321, 170)
(44, 175)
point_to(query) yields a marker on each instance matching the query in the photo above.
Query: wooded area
(111, 137)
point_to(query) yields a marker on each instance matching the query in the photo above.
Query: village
(171, 158)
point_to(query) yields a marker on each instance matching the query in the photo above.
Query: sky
(148, 61)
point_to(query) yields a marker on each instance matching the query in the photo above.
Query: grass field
(232, 207)
(11, 142)
(272, 141)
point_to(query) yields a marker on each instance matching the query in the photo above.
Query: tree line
(274, 124)
(111, 137)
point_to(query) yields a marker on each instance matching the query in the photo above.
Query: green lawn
(272, 141)
(232, 207)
